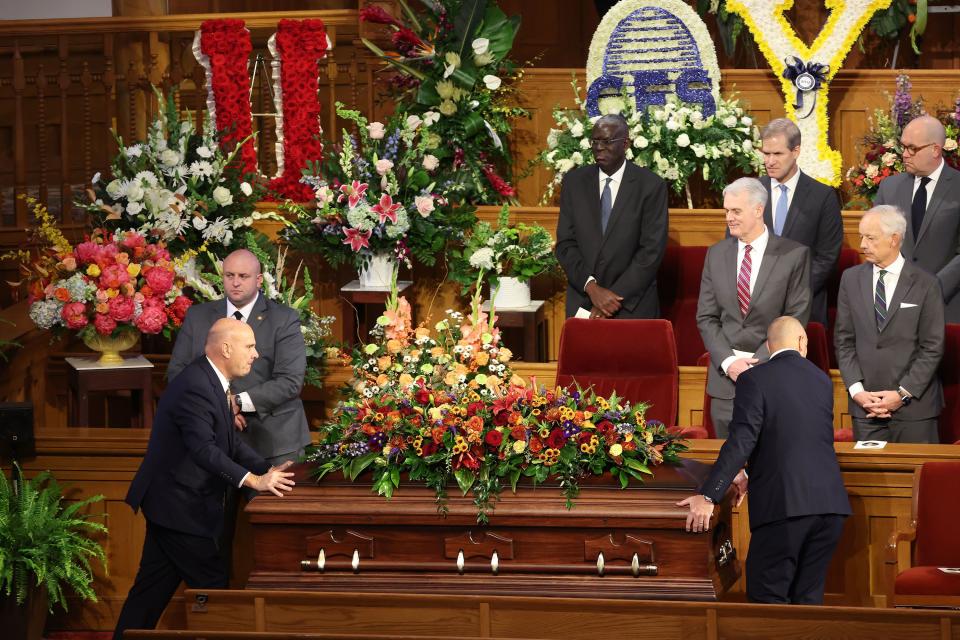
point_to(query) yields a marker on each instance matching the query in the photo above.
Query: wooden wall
(103, 461)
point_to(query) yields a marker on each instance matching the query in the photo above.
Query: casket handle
(600, 563)
(494, 563)
(460, 562)
(355, 562)
(635, 566)
(321, 559)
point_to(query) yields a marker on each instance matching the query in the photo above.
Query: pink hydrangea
(74, 314)
(114, 276)
(160, 279)
(104, 324)
(121, 308)
(152, 319)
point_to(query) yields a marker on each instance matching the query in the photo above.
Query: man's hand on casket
(740, 486)
(701, 509)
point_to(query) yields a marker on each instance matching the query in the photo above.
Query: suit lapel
(865, 280)
(769, 262)
(217, 391)
(904, 283)
(592, 190)
(939, 191)
(768, 209)
(259, 312)
(729, 264)
(905, 200)
(796, 206)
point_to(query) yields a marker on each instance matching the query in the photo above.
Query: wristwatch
(905, 398)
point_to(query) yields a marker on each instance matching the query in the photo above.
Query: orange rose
(394, 346)
(61, 294)
(482, 358)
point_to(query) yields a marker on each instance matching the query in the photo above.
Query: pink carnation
(159, 279)
(75, 315)
(113, 276)
(104, 324)
(121, 308)
(152, 319)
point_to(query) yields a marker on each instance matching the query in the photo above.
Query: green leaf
(360, 464)
(427, 94)
(466, 22)
(514, 477)
(500, 31)
(464, 78)
(465, 479)
(633, 463)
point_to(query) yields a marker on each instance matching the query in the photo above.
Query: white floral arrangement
(779, 43)
(674, 140)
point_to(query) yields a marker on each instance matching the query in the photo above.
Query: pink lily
(386, 209)
(352, 192)
(357, 239)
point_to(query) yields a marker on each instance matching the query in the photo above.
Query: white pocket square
(907, 305)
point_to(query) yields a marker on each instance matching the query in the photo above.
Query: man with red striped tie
(749, 279)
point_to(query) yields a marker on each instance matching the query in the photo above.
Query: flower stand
(531, 321)
(362, 305)
(86, 376)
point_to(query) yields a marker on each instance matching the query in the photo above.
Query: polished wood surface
(426, 616)
(103, 461)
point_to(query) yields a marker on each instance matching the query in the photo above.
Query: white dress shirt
(246, 404)
(776, 194)
(758, 247)
(226, 386)
(615, 179)
(890, 280)
(934, 178)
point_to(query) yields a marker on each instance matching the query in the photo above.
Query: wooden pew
(180, 634)
(419, 616)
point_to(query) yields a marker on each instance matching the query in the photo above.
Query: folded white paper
(582, 313)
(907, 305)
(953, 570)
(870, 444)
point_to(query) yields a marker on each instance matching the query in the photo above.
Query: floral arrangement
(881, 146)
(376, 194)
(444, 407)
(450, 58)
(889, 22)
(674, 140)
(177, 185)
(807, 105)
(290, 291)
(510, 251)
(114, 281)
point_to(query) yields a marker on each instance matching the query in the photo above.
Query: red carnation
(104, 324)
(121, 308)
(428, 448)
(493, 438)
(75, 315)
(556, 439)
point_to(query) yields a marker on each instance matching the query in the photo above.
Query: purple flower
(902, 102)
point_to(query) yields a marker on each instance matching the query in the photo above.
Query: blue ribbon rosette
(805, 77)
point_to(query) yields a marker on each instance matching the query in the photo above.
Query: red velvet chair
(932, 536)
(950, 378)
(678, 286)
(817, 351)
(635, 358)
(848, 258)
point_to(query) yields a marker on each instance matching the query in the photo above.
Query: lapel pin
(259, 318)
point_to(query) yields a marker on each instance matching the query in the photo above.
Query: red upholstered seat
(848, 258)
(817, 351)
(933, 534)
(678, 286)
(950, 378)
(635, 358)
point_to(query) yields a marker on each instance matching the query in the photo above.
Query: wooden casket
(615, 543)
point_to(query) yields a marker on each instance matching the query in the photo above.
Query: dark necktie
(919, 206)
(238, 315)
(743, 281)
(880, 300)
(606, 205)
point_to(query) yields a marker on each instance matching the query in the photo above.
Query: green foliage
(47, 543)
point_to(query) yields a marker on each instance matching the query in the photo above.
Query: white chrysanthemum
(201, 169)
(482, 259)
(204, 152)
(146, 177)
(553, 138)
(564, 165)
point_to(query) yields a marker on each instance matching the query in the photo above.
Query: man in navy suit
(782, 429)
(193, 455)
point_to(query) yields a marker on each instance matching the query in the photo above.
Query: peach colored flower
(394, 346)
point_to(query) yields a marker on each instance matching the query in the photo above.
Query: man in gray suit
(612, 230)
(749, 279)
(268, 408)
(889, 336)
(928, 192)
(801, 208)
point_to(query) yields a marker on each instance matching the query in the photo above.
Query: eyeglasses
(914, 150)
(604, 144)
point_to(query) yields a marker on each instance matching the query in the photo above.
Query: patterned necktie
(606, 205)
(743, 281)
(919, 206)
(780, 216)
(880, 300)
(238, 315)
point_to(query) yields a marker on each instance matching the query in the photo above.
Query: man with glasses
(612, 230)
(929, 192)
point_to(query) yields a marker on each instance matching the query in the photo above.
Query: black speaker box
(16, 430)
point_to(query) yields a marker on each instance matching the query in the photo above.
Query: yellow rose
(450, 379)
(93, 271)
(112, 293)
(519, 446)
(436, 352)
(616, 450)
(422, 332)
(133, 270)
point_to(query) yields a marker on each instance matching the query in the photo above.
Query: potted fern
(45, 547)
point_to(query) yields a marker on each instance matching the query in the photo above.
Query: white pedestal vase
(379, 272)
(512, 294)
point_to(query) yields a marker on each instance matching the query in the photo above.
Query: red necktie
(743, 281)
